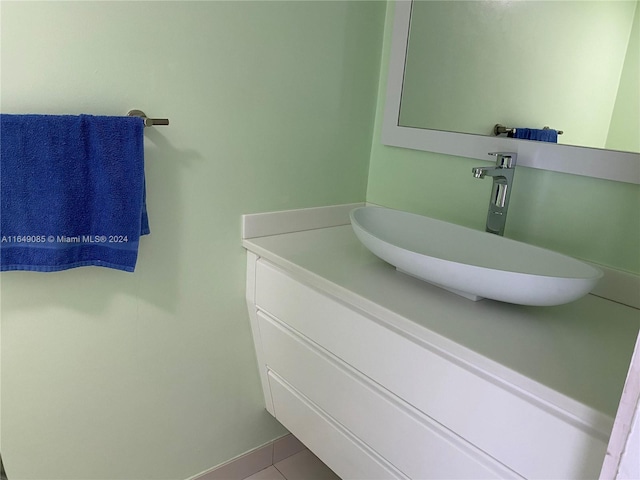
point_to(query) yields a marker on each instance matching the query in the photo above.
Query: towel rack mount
(499, 129)
(148, 122)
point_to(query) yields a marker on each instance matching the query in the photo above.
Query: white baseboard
(254, 461)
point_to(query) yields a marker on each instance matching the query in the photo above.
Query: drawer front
(414, 444)
(509, 426)
(343, 453)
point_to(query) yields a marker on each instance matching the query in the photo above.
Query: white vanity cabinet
(374, 400)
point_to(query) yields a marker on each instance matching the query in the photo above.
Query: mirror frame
(589, 162)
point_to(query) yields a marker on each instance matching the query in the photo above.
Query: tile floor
(301, 466)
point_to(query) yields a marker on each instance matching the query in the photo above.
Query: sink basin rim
(472, 280)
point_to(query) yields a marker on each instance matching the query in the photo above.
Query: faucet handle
(505, 159)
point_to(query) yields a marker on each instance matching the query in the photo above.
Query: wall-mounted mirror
(457, 68)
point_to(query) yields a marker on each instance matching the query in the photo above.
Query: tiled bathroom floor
(301, 466)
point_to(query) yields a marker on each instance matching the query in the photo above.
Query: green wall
(588, 218)
(152, 375)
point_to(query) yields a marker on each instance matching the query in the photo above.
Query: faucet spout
(502, 174)
(478, 172)
(481, 172)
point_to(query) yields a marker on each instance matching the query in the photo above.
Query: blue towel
(72, 192)
(541, 135)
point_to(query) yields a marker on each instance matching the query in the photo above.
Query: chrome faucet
(502, 175)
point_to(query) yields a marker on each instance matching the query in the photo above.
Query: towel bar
(499, 129)
(148, 122)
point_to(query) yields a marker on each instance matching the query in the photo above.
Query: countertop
(574, 356)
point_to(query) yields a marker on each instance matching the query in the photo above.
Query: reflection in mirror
(613, 162)
(569, 65)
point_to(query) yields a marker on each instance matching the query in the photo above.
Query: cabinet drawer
(505, 423)
(345, 455)
(413, 443)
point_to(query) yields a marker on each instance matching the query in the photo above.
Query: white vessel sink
(472, 263)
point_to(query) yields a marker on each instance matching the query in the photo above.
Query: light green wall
(593, 219)
(152, 375)
(624, 131)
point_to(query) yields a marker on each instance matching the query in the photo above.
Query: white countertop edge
(572, 411)
(616, 285)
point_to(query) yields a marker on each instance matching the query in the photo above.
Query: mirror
(456, 69)
(567, 64)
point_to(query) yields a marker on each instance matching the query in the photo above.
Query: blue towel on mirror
(72, 192)
(541, 135)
